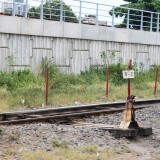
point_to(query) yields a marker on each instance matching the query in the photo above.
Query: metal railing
(83, 12)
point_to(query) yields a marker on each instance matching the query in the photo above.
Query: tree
(51, 10)
(135, 15)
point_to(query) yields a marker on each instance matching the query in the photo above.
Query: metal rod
(129, 81)
(107, 81)
(50, 14)
(128, 19)
(97, 15)
(151, 23)
(61, 10)
(26, 8)
(46, 86)
(141, 28)
(80, 11)
(158, 22)
(13, 9)
(41, 17)
(113, 17)
(155, 85)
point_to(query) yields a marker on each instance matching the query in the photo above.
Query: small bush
(59, 143)
(115, 73)
(55, 76)
(98, 74)
(13, 137)
(16, 79)
(90, 149)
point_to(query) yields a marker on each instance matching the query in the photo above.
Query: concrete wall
(72, 47)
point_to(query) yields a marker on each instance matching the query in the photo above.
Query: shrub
(55, 76)
(98, 74)
(59, 143)
(115, 72)
(16, 79)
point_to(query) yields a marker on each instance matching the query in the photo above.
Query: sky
(89, 8)
(107, 2)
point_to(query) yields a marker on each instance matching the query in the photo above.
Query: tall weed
(24, 85)
(16, 79)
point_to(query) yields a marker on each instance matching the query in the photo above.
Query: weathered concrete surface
(28, 26)
(72, 47)
(129, 133)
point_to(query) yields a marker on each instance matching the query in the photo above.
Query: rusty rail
(64, 114)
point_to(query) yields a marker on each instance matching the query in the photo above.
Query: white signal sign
(128, 74)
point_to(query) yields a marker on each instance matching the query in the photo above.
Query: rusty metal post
(46, 86)
(155, 85)
(129, 81)
(107, 77)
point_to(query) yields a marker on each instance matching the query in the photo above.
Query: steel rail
(64, 114)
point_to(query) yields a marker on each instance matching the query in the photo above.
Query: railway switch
(129, 126)
(129, 115)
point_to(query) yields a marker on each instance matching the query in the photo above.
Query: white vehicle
(91, 19)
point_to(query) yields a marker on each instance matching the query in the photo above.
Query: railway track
(68, 114)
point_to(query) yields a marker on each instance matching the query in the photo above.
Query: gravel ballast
(40, 135)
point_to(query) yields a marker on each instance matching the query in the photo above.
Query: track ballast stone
(40, 135)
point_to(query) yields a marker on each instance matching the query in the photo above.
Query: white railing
(82, 12)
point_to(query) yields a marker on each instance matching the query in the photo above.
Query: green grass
(0, 130)
(23, 89)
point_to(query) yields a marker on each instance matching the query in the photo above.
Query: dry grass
(67, 154)
(4, 106)
(83, 153)
(73, 95)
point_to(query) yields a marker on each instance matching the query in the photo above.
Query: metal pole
(113, 17)
(26, 9)
(64, 15)
(50, 14)
(46, 86)
(21, 10)
(97, 15)
(13, 9)
(155, 85)
(158, 22)
(80, 11)
(141, 27)
(151, 23)
(129, 81)
(61, 10)
(128, 18)
(41, 17)
(107, 77)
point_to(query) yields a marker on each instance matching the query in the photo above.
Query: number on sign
(128, 74)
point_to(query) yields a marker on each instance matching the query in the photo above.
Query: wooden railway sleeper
(3, 117)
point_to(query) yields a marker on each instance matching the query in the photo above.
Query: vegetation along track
(68, 114)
